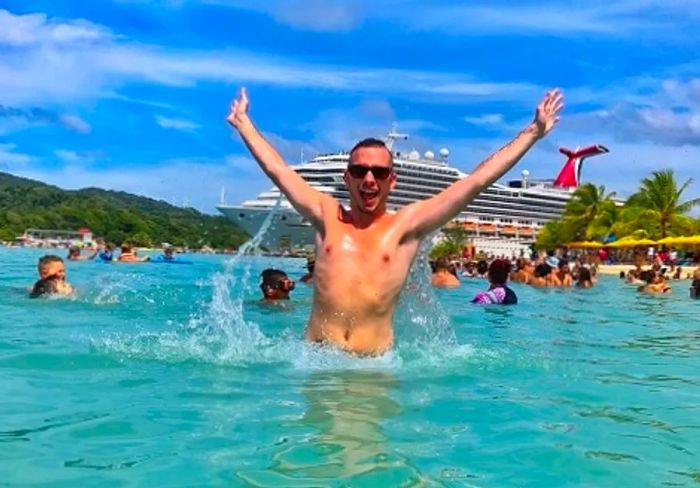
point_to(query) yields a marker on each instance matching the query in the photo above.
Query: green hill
(117, 216)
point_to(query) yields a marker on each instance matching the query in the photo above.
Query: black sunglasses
(379, 172)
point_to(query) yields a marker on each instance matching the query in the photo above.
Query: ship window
(284, 217)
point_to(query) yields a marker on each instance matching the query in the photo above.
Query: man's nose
(369, 178)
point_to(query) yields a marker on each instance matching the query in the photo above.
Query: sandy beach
(614, 269)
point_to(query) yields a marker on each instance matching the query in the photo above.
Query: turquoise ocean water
(168, 375)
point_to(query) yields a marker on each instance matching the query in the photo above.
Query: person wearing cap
(498, 293)
(275, 285)
(310, 263)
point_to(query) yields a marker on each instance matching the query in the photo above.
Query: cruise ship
(510, 213)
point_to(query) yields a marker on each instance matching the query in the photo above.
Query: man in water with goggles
(364, 253)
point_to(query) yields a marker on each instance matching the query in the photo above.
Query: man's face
(279, 290)
(369, 189)
(56, 268)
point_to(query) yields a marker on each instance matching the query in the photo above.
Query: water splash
(420, 316)
(220, 334)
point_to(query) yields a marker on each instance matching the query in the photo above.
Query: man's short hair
(48, 259)
(442, 263)
(542, 270)
(271, 277)
(371, 142)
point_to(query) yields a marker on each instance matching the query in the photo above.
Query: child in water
(498, 293)
(52, 278)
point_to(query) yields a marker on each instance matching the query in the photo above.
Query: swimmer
(107, 254)
(74, 254)
(310, 263)
(364, 253)
(584, 278)
(498, 293)
(52, 278)
(469, 270)
(442, 276)
(562, 276)
(695, 285)
(540, 277)
(275, 285)
(482, 269)
(655, 283)
(130, 255)
(168, 254)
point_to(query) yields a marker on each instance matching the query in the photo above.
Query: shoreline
(614, 269)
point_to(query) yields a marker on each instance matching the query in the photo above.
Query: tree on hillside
(659, 207)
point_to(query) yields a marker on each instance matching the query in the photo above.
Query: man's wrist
(533, 130)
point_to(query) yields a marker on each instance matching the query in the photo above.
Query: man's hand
(547, 112)
(239, 110)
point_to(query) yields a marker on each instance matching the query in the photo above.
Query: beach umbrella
(671, 241)
(681, 240)
(584, 245)
(633, 243)
(691, 239)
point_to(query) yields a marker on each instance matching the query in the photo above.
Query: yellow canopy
(633, 243)
(584, 245)
(690, 239)
(680, 240)
(669, 241)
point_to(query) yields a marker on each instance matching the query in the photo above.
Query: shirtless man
(363, 255)
(442, 276)
(562, 276)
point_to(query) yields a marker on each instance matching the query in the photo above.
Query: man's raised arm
(434, 213)
(305, 199)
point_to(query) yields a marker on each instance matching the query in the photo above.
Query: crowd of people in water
(561, 270)
(541, 270)
(52, 268)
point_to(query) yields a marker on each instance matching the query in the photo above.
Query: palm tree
(591, 213)
(552, 235)
(659, 204)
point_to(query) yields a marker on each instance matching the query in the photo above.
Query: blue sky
(132, 94)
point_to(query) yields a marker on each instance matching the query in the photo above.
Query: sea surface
(175, 375)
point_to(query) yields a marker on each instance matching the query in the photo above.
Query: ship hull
(287, 230)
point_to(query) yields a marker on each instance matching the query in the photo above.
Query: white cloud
(664, 112)
(485, 120)
(78, 157)
(24, 30)
(176, 124)
(653, 18)
(12, 119)
(320, 15)
(9, 158)
(76, 123)
(47, 70)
